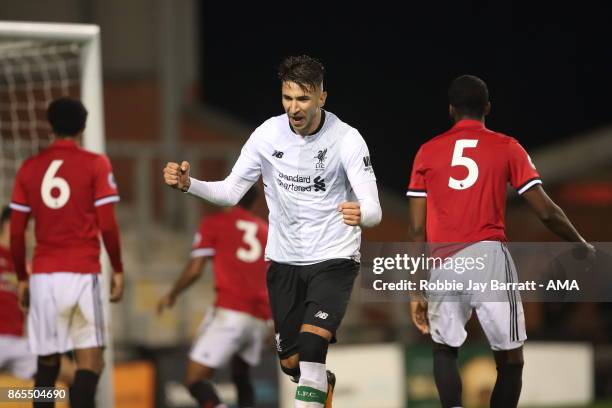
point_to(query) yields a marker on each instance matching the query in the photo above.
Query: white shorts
(225, 333)
(66, 312)
(500, 312)
(16, 357)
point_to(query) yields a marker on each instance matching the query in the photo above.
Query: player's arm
(366, 212)
(525, 178)
(19, 223)
(416, 235)
(355, 156)
(191, 273)
(227, 192)
(417, 221)
(552, 215)
(112, 243)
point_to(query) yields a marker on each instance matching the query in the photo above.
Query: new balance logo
(277, 340)
(319, 184)
(321, 315)
(278, 154)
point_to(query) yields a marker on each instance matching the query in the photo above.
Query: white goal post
(40, 62)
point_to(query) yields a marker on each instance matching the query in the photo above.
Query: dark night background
(548, 67)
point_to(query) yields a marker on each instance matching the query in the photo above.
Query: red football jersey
(236, 239)
(11, 316)
(61, 186)
(464, 174)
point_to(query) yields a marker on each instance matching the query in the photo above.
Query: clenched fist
(351, 212)
(177, 176)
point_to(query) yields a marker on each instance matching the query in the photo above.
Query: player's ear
(487, 109)
(322, 98)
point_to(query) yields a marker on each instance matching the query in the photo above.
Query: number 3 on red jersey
(253, 253)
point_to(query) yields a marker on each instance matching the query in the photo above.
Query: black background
(548, 66)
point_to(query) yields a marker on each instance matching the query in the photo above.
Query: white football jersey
(305, 178)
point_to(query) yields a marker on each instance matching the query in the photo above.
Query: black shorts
(308, 294)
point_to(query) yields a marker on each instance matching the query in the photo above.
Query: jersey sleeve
(523, 174)
(19, 199)
(105, 187)
(204, 240)
(356, 159)
(248, 165)
(417, 186)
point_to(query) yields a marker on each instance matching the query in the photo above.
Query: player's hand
(165, 303)
(418, 309)
(587, 252)
(177, 176)
(116, 291)
(351, 212)
(23, 294)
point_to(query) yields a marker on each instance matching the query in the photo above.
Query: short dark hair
(469, 95)
(249, 198)
(305, 71)
(67, 116)
(6, 215)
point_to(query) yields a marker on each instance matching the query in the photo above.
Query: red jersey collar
(465, 123)
(64, 143)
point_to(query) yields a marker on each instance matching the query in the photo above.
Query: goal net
(40, 62)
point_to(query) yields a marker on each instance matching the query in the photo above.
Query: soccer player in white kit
(457, 196)
(320, 189)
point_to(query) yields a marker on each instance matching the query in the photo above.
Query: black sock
(446, 374)
(508, 386)
(46, 375)
(246, 393)
(204, 392)
(83, 390)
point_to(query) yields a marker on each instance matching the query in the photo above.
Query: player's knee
(444, 350)
(313, 348)
(509, 357)
(50, 360)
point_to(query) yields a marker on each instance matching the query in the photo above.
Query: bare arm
(191, 273)
(551, 215)
(416, 233)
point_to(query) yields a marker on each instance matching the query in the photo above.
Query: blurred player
(70, 193)
(15, 356)
(458, 195)
(236, 327)
(320, 188)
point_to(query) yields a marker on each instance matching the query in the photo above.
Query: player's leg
(509, 381)
(47, 370)
(242, 380)
(446, 375)
(330, 285)
(198, 381)
(219, 338)
(81, 327)
(503, 322)
(447, 319)
(286, 292)
(89, 366)
(16, 357)
(43, 316)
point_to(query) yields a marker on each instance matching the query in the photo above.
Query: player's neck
(73, 139)
(460, 118)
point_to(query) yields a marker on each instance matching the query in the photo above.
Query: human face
(303, 107)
